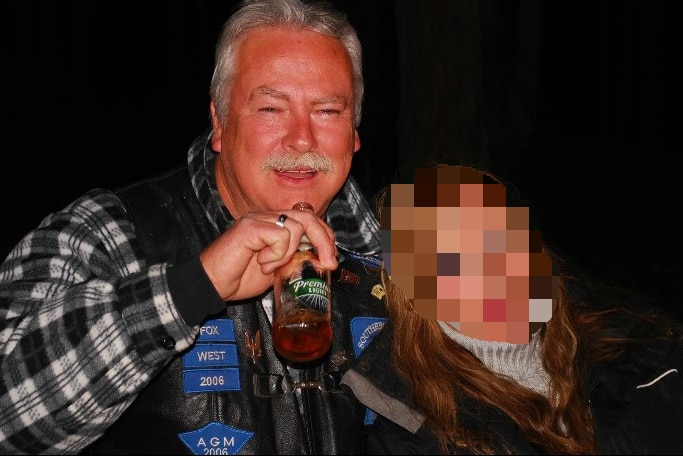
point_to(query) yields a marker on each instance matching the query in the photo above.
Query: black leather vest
(230, 393)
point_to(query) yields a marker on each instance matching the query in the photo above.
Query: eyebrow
(270, 92)
(264, 90)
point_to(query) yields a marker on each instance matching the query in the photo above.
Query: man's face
(463, 255)
(293, 93)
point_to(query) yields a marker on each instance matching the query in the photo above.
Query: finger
(232, 260)
(319, 234)
(275, 252)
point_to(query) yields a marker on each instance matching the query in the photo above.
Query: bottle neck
(305, 244)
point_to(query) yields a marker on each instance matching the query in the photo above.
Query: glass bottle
(302, 329)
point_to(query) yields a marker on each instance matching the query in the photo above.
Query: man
(138, 321)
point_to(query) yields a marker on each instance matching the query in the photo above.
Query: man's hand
(241, 261)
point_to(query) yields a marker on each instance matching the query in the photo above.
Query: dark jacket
(636, 401)
(230, 393)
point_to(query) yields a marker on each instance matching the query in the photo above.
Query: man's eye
(268, 109)
(330, 112)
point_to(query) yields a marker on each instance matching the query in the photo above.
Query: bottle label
(314, 293)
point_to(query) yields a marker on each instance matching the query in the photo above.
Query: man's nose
(300, 134)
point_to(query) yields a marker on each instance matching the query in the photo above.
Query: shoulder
(644, 362)
(99, 209)
(638, 400)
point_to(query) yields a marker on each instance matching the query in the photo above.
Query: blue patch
(208, 365)
(217, 330)
(210, 355)
(367, 260)
(215, 438)
(370, 416)
(363, 330)
(206, 380)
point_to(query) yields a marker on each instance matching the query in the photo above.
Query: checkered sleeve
(85, 324)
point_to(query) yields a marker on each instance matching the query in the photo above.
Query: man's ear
(356, 139)
(217, 129)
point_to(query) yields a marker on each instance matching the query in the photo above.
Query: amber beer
(302, 336)
(302, 329)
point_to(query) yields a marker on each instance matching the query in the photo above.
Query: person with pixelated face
(466, 279)
(460, 246)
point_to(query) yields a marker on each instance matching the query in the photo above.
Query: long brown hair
(579, 335)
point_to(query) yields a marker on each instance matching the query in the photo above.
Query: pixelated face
(460, 246)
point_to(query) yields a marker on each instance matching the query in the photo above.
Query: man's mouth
(297, 173)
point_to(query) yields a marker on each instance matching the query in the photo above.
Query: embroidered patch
(210, 355)
(215, 438)
(219, 329)
(363, 330)
(212, 363)
(346, 276)
(206, 380)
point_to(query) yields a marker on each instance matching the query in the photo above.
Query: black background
(574, 102)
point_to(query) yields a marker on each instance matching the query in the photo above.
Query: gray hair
(318, 17)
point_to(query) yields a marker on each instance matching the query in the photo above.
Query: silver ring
(281, 220)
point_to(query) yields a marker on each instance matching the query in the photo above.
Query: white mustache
(289, 161)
